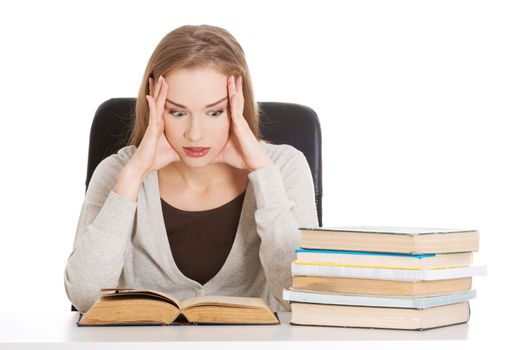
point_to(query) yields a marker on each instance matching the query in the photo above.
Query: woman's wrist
(135, 169)
(261, 165)
(129, 182)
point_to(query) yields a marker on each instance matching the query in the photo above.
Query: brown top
(200, 241)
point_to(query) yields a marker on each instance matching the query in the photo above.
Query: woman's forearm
(129, 182)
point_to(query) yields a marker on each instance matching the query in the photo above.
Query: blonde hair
(190, 47)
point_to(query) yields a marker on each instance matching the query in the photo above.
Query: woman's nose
(194, 130)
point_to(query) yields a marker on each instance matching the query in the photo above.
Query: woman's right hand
(154, 152)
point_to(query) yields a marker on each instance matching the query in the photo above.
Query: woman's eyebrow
(209, 105)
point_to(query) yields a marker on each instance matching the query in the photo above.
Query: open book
(122, 306)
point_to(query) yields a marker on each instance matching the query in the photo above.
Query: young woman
(197, 203)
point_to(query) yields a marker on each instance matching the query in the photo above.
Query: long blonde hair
(190, 47)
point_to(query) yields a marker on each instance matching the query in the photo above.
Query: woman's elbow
(82, 298)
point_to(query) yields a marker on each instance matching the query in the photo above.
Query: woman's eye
(217, 113)
(179, 114)
(175, 114)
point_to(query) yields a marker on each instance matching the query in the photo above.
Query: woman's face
(196, 114)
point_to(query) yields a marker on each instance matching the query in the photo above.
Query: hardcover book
(379, 317)
(122, 306)
(411, 240)
(380, 287)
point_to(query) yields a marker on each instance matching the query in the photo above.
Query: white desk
(61, 327)
(58, 330)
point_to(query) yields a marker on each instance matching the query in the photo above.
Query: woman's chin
(196, 162)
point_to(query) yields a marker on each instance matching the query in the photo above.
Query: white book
(303, 269)
(376, 301)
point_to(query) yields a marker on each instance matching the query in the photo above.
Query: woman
(196, 204)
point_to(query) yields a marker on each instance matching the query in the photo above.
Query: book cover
(326, 315)
(411, 231)
(377, 301)
(358, 252)
(407, 240)
(180, 321)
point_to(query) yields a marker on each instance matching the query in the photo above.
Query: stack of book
(383, 277)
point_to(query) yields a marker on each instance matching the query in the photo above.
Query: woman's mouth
(196, 152)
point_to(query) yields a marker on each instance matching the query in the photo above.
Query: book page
(116, 292)
(228, 301)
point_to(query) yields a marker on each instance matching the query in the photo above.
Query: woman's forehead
(196, 88)
(201, 74)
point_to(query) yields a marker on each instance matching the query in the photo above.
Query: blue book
(383, 260)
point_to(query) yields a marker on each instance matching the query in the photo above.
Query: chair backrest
(280, 123)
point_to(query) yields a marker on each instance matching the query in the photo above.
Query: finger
(158, 85)
(152, 109)
(231, 86)
(232, 94)
(240, 96)
(153, 126)
(237, 104)
(150, 84)
(238, 85)
(161, 102)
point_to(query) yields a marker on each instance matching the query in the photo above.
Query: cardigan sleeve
(285, 199)
(104, 227)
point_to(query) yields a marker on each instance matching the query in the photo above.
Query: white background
(420, 103)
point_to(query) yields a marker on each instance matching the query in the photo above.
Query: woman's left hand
(242, 150)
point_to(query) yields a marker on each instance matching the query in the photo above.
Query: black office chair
(280, 123)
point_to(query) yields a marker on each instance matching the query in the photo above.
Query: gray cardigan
(120, 242)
